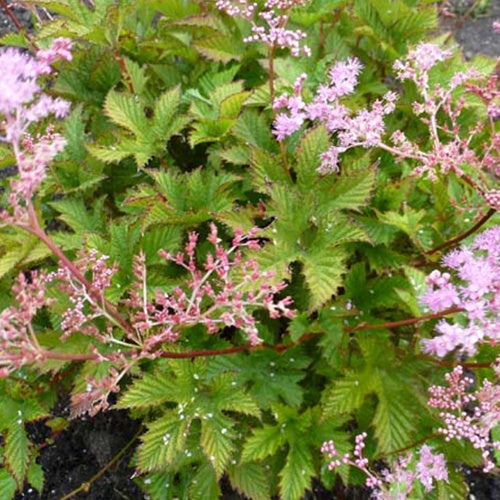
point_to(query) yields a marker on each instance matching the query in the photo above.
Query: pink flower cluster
(274, 33)
(23, 103)
(450, 145)
(221, 294)
(18, 343)
(364, 128)
(468, 415)
(397, 482)
(477, 292)
(88, 302)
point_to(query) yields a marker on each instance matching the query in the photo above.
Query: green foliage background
(171, 129)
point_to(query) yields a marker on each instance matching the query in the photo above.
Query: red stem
(403, 322)
(452, 364)
(37, 231)
(409, 447)
(16, 23)
(460, 237)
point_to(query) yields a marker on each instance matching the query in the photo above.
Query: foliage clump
(268, 230)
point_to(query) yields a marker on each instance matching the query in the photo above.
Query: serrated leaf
(125, 110)
(346, 395)
(230, 107)
(262, 443)
(352, 191)
(16, 450)
(74, 133)
(204, 484)
(9, 260)
(110, 154)
(216, 441)
(323, 269)
(158, 484)
(394, 418)
(237, 155)
(311, 146)
(253, 129)
(266, 170)
(250, 480)
(159, 238)
(35, 476)
(137, 75)
(220, 47)
(295, 477)
(164, 439)
(8, 485)
(74, 213)
(209, 131)
(166, 113)
(150, 390)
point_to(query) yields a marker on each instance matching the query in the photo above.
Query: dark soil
(82, 450)
(87, 445)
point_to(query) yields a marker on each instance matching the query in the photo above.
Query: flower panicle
(403, 474)
(475, 288)
(468, 415)
(273, 32)
(23, 103)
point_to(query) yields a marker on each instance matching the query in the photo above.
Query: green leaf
(74, 133)
(394, 419)
(323, 270)
(216, 441)
(167, 121)
(158, 485)
(231, 397)
(109, 154)
(352, 191)
(35, 476)
(262, 443)
(220, 47)
(136, 74)
(295, 477)
(157, 238)
(150, 390)
(347, 394)
(204, 485)
(127, 111)
(313, 144)
(9, 260)
(250, 480)
(162, 442)
(74, 213)
(266, 170)
(17, 454)
(253, 128)
(8, 485)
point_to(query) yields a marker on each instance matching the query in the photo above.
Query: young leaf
(216, 441)
(352, 191)
(311, 146)
(8, 485)
(17, 451)
(394, 419)
(262, 443)
(128, 112)
(250, 480)
(323, 270)
(150, 390)
(164, 439)
(295, 477)
(204, 484)
(35, 476)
